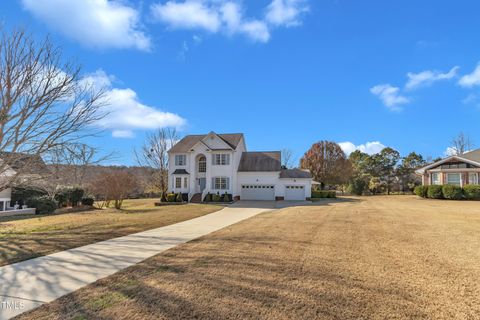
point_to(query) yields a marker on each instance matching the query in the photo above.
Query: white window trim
(227, 183)
(176, 182)
(185, 182)
(223, 159)
(177, 160)
(432, 181)
(476, 175)
(457, 174)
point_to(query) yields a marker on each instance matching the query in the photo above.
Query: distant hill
(71, 175)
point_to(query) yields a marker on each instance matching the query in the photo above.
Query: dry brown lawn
(34, 236)
(356, 258)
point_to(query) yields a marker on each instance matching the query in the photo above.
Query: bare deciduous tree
(287, 158)
(461, 144)
(68, 165)
(44, 103)
(154, 154)
(114, 186)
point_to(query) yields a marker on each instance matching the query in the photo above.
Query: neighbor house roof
(187, 143)
(180, 171)
(295, 174)
(24, 163)
(472, 157)
(260, 161)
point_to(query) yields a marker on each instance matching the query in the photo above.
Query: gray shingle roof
(260, 161)
(180, 171)
(186, 144)
(295, 174)
(472, 155)
(24, 163)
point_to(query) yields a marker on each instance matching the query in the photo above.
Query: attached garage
(258, 192)
(293, 193)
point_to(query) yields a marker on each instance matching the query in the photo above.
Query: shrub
(62, 198)
(21, 195)
(451, 192)
(226, 197)
(435, 192)
(88, 201)
(208, 197)
(216, 197)
(171, 197)
(43, 204)
(472, 192)
(421, 191)
(76, 195)
(324, 194)
(179, 197)
(357, 187)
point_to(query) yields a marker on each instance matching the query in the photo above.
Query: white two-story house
(219, 163)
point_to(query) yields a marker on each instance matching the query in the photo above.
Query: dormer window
(180, 160)
(221, 159)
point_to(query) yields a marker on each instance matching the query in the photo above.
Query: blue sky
(287, 73)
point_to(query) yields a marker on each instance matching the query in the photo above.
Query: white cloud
(390, 96)
(94, 23)
(227, 17)
(123, 134)
(425, 78)
(369, 147)
(187, 15)
(125, 111)
(472, 79)
(286, 12)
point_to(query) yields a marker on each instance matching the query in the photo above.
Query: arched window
(202, 164)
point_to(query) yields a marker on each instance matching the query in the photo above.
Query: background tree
(114, 186)
(328, 163)
(386, 162)
(154, 154)
(44, 104)
(461, 144)
(287, 158)
(360, 179)
(406, 171)
(69, 164)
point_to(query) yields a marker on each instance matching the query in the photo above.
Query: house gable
(215, 142)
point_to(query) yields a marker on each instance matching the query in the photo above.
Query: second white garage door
(295, 193)
(258, 192)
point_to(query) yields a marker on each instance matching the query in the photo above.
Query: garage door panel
(257, 192)
(295, 193)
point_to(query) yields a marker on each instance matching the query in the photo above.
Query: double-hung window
(221, 159)
(178, 183)
(180, 160)
(435, 178)
(473, 178)
(454, 179)
(220, 183)
(185, 183)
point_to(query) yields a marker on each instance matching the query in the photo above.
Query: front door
(203, 183)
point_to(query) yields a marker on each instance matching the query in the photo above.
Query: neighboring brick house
(458, 170)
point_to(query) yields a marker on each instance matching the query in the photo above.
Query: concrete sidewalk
(29, 284)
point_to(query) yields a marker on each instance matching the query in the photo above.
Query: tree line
(361, 173)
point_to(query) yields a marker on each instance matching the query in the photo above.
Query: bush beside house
(449, 192)
(318, 194)
(43, 204)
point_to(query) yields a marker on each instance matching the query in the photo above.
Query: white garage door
(295, 193)
(257, 192)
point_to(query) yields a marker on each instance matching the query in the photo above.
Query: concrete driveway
(28, 284)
